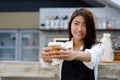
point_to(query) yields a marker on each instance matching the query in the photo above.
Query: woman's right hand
(46, 54)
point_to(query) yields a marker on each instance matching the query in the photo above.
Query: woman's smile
(79, 33)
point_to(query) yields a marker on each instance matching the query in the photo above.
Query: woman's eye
(76, 23)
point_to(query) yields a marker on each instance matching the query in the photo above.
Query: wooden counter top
(109, 63)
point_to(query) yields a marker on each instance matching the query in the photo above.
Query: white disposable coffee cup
(54, 46)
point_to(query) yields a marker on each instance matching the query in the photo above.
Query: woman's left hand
(65, 54)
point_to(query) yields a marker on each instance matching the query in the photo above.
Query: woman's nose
(80, 27)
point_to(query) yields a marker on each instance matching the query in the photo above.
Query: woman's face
(78, 28)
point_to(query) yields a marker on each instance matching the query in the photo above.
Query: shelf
(7, 58)
(52, 29)
(43, 29)
(7, 47)
(30, 47)
(108, 29)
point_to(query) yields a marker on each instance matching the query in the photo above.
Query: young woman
(82, 53)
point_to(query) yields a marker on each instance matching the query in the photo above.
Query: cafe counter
(109, 70)
(24, 70)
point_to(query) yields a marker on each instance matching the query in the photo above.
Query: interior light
(116, 2)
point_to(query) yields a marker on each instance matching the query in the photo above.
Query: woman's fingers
(47, 49)
(46, 57)
(64, 49)
(61, 54)
(50, 49)
(48, 54)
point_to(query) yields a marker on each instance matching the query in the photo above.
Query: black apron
(76, 70)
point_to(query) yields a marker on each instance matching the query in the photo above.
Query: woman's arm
(69, 55)
(83, 56)
(89, 55)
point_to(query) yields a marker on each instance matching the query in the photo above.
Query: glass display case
(8, 45)
(29, 45)
(20, 45)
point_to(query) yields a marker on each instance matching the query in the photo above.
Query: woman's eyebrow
(79, 22)
(76, 21)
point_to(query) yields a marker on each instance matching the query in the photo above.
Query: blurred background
(26, 26)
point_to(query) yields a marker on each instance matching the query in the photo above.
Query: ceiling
(111, 3)
(34, 5)
(94, 3)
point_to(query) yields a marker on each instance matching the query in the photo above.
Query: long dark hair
(90, 37)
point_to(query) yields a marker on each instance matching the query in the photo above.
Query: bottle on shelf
(65, 22)
(108, 53)
(52, 21)
(47, 22)
(61, 22)
(56, 25)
